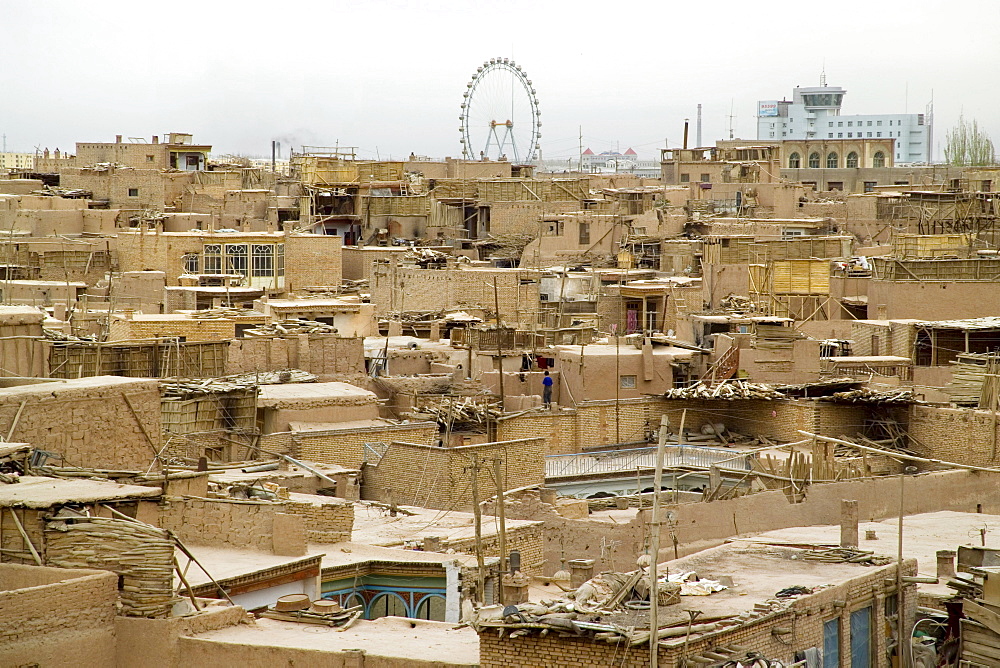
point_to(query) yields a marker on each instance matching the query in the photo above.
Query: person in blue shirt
(547, 389)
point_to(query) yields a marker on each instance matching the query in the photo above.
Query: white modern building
(17, 160)
(814, 113)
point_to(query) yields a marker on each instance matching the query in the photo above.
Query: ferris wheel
(500, 116)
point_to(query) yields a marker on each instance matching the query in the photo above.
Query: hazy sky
(387, 76)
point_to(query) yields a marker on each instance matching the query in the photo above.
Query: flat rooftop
(374, 526)
(272, 396)
(438, 643)
(39, 492)
(923, 536)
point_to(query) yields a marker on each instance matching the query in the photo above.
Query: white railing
(609, 462)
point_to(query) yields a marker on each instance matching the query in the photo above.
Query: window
(986, 186)
(149, 158)
(626, 382)
(706, 178)
(236, 259)
(869, 123)
(814, 160)
(878, 123)
(133, 192)
(878, 160)
(213, 259)
(850, 124)
(869, 134)
(870, 188)
(850, 134)
(432, 608)
(861, 638)
(852, 160)
(840, 135)
(890, 124)
(279, 259)
(840, 124)
(262, 260)
(831, 124)
(387, 605)
(832, 160)
(192, 161)
(831, 643)
(685, 178)
(794, 161)
(191, 263)
(584, 233)
(878, 134)
(830, 135)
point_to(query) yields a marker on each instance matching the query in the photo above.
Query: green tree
(966, 144)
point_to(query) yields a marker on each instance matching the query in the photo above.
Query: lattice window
(236, 259)
(213, 259)
(262, 260)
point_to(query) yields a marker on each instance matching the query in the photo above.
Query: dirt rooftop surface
(396, 637)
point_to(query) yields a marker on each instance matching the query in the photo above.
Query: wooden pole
(496, 306)
(477, 513)
(24, 536)
(654, 543)
(618, 384)
(498, 475)
(899, 455)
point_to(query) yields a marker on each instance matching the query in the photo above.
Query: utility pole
(496, 306)
(654, 544)
(498, 476)
(477, 513)
(902, 644)
(618, 385)
(579, 167)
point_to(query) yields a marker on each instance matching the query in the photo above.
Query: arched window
(794, 161)
(878, 160)
(832, 160)
(432, 607)
(852, 160)
(814, 160)
(387, 605)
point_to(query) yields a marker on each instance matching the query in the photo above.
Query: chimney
(118, 139)
(685, 133)
(848, 523)
(580, 570)
(946, 563)
(156, 139)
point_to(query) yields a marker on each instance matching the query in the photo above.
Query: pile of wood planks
(142, 555)
(452, 412)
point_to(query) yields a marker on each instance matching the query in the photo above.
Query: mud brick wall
(396, 288)
(777, 420)
(558, 429)
(526, 539)
(329, 522)
(221, 523)
(434, 477)
(192, 329)
(591, 425)
(312, 260)
(346, 448)
(10, 538)
(960, 435)
(50, 614)
(87, 421)
(321, 354)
